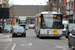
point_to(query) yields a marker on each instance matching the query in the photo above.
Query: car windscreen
(7, 26)
(18, 28)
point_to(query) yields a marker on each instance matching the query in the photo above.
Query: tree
(49, 6)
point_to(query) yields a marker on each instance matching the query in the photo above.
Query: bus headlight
(41, 31)
(60, 33)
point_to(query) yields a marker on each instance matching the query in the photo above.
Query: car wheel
(13, 36)
(24, 35)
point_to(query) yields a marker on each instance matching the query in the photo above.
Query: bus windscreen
(51, 21)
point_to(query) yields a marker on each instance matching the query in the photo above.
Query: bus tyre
(39, 35)
(24, 35)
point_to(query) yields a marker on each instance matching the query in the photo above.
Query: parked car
(65, 22)
(19, 31)
(69, 28)
(71, 39)
(8, 28)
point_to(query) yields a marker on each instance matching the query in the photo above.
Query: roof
(27, 10)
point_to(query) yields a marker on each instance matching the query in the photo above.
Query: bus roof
(49, 12)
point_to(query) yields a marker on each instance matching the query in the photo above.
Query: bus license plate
(47, 32)
(51, 35)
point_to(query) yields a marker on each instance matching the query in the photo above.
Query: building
(67, 8)
(70, 10)
(4, 3)
(51, 5)
(25, 10)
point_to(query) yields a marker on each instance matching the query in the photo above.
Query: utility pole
(57, 5)
(3, 22)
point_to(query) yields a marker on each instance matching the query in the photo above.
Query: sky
(29, 2)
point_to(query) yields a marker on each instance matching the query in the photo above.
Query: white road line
(13, 46)
(26, 44)
(1, 34)
(7, 46)
(5, 36)
(56, 45)
(30, 43)
(10, 39)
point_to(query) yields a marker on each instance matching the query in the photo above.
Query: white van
(65, 22)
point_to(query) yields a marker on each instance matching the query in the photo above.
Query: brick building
(67, 8)
(51, 5)
(25, 10)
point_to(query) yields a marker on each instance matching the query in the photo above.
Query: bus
(48, 24)
(23, 21)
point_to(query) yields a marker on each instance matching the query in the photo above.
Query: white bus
(49, 24)
(23, 21)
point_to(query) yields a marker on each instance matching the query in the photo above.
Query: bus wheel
(37, 36)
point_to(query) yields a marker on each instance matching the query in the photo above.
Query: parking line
(13, 46)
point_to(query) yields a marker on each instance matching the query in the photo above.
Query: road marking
(1, 34)
(30, 43)
(56, 45)
(7, 46)
(26, 44)
(13, 46)
(7, 36)
(10, 39)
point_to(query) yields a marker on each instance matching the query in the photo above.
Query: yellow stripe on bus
(55, 32)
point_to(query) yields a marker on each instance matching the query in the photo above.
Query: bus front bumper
(45, 35)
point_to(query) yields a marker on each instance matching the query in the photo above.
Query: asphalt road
(31, 42)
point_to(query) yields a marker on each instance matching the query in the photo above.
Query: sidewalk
(1, 34)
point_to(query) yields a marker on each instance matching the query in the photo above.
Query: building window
(71, 5)
(55, 1)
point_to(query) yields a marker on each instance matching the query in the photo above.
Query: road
(31, 42)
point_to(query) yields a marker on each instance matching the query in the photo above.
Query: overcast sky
(29, 2)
